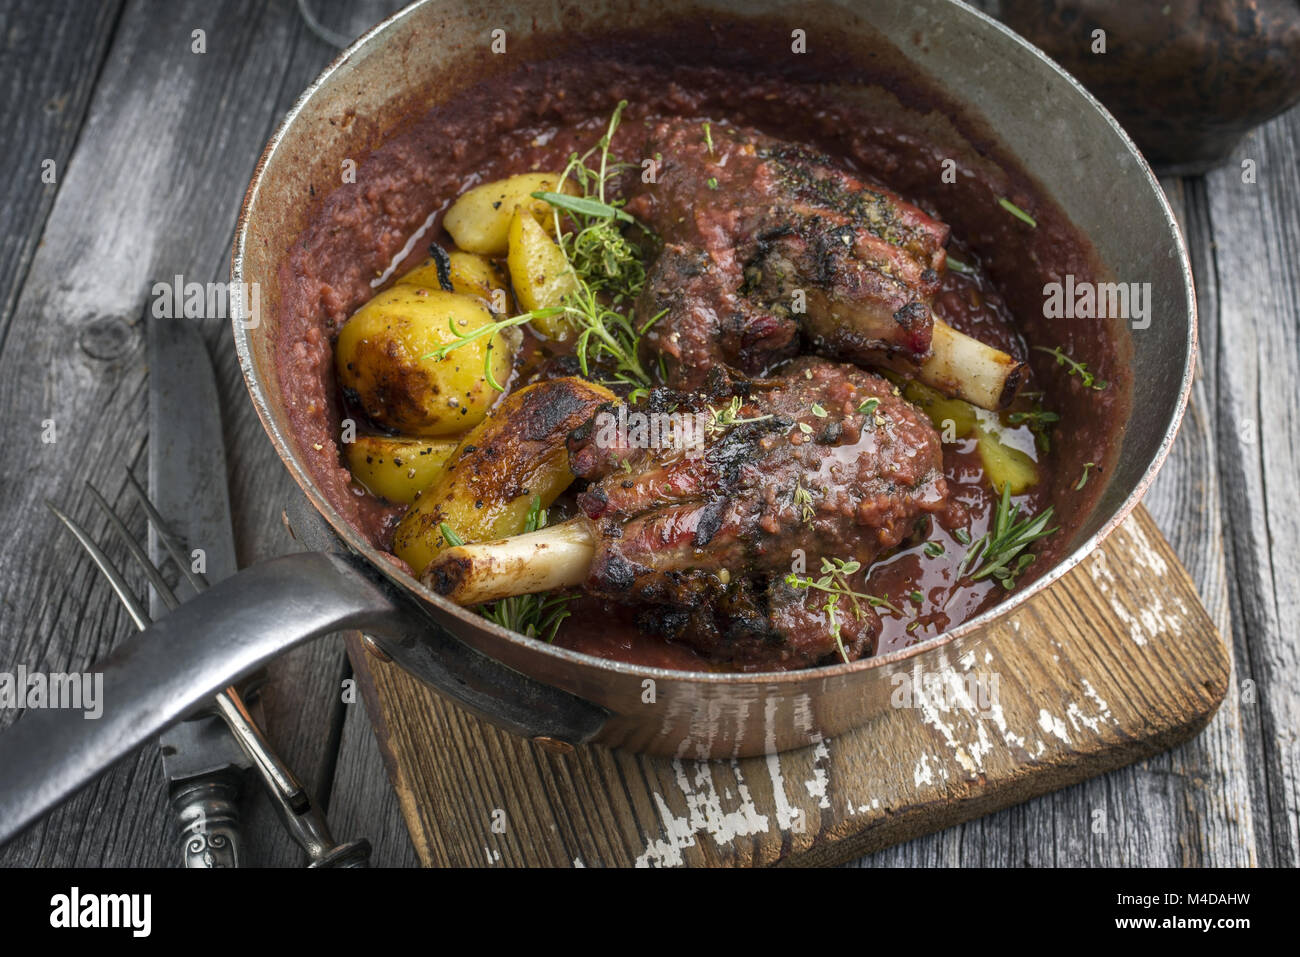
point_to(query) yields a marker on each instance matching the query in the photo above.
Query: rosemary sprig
(956, 265)
(1017, 212)
(1089, 380)
(599, 249)
(1000, 552)
(533, 615)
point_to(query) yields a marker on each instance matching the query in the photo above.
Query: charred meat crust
(767, 246)
(702, 538)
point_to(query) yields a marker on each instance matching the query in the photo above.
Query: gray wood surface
(152, 146)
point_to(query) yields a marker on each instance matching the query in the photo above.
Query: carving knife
(205, 768)
(205, 758)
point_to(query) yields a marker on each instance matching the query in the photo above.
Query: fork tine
(170, 542)
(109, 570)
(133, 547)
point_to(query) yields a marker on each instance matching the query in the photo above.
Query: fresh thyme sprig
(608, 270)
(1000, 552)
(834, 582)
(729, 415)
(537, 616)
(1089, 380)
(803, 500)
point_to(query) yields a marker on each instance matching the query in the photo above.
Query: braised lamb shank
(770, 250)
(823, 461)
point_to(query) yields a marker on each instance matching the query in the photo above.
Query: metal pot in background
(1186, 78)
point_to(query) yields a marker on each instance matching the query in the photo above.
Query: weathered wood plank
(48, 67)
(362, 802)
(1256, 323)
(1112, 665)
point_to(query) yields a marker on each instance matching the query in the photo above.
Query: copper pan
(1062, 136)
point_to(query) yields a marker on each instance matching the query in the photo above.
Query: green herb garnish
(584, 206)
(1083, 479)
(537, 616)
(834, 581)
(956, 265)
(729, 415)
(1075, 368)
(1040, 422)
(608, 268)
(804, 501)
(1016, 211)
(449, 534)
(1000, 552)
(933, 549)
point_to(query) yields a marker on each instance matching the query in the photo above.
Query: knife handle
(207, 810)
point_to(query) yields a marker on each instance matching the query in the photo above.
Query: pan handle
(229, 631)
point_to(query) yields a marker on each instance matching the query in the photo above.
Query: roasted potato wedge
(384, 356)
(951, 417)
(540, 273)
(1004, 464)
(517, 452)
(957, 419)
(469, 275)
(395, 468)
(479, 221)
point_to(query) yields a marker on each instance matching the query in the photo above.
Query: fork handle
(228, 632)
(207, 811)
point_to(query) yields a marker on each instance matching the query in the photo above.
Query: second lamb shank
(770, 249)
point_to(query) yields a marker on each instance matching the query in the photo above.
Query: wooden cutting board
(1114, 663)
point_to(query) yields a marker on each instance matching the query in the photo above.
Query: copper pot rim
(382, 560)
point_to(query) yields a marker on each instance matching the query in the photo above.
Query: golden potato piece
(517, 452)
(1004, 464)
(957, 419)
(479, 221)
(540, 273)
(384, 356)
(951, 417)
(398, 469)
(469, 275)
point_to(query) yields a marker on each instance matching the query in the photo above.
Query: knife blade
(204, 765)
